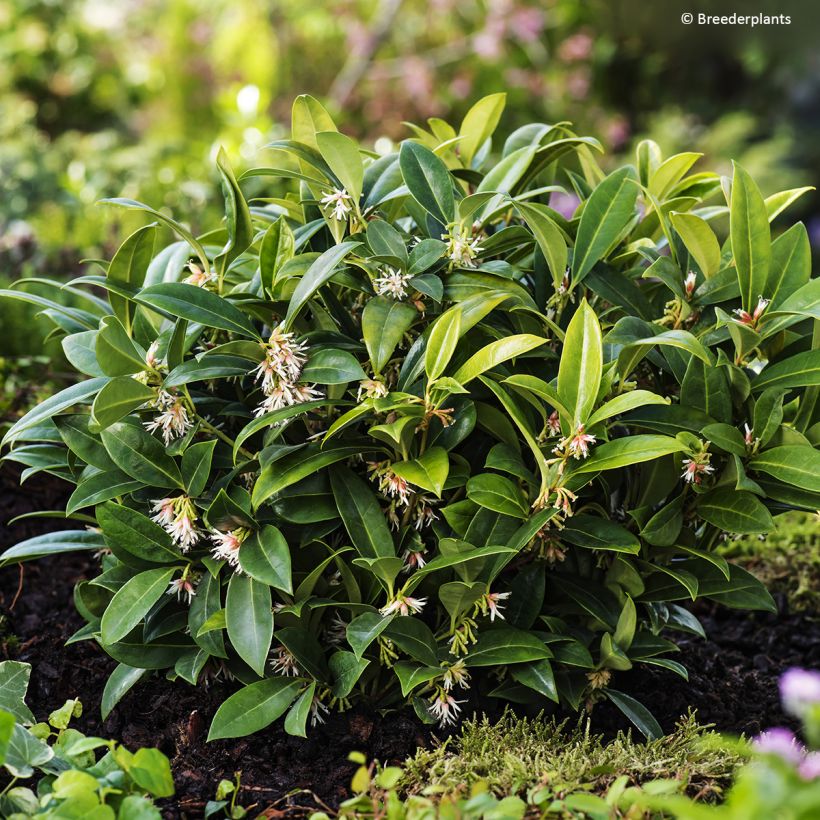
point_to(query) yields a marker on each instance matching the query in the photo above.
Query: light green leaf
(581, 366)
(606, 213)
(751, 238)
(495, 353)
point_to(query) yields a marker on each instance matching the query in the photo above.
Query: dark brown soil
(733, 684)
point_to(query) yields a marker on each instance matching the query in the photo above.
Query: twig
(19, 587)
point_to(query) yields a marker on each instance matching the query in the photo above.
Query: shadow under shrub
(413, 431)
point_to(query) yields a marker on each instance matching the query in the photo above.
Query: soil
(733, 685)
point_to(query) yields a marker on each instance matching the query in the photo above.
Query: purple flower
(799, 690)
(780, 742)
(809, 769)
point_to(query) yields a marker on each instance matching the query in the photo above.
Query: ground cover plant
(412, 436)
(72, 781)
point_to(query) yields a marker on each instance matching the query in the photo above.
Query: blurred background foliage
(131, 97)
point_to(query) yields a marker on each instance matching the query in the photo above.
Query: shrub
(413, 431)
(73, 782)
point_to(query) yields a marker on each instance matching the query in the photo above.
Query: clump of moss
(517, 756)
(787, 560)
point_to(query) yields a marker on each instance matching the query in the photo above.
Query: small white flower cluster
(489, 604)
(182, 586)
(403, 605)
(279, 373)
(177, 516)
(695, 468)
(402, 495)
(576, 445)
(442, 705)
(226, 546)
(283, 663)
(371, 389)
(393, 283)
(462, 250)
(340, 201)
(172, 420)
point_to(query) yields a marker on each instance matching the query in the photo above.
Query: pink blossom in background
(575, 48)
(565, 204)
(780, 742)
(526, 24)
(799, 688)
(809, 769)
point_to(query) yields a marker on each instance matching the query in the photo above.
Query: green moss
(517, 756)
(787, 560)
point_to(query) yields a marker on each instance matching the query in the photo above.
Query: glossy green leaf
(606, 213)
(799, 466)
(178, 300)
(751, 238)
(253, 707)
(428, 181)
(429, 471)
(265, 557)
(581, 367)
(384, 323)
(362, 516)
(735, 511)
(138, 454)
(249, 620)
(132, 602)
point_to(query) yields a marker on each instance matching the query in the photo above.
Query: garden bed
(733, 684)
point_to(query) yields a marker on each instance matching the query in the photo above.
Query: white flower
(445, 708)
(285, 395)
(424, 513)
(554, 424)
(284, 359)
(164, 513)
(393, 283)
(462, 250)
(413, 559)
(371, 389)
(491, 601)
(403, 605)
(285, 664)
(184, 532)
(279, 373)
(173, 421)
(457, 675)
(317, 711)
(181, 586)
(198, 277)
(578, 445)
(689, 283)
(341, 202)
(695, 468)
(151, 356)
(177, 516)
(226, 546)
